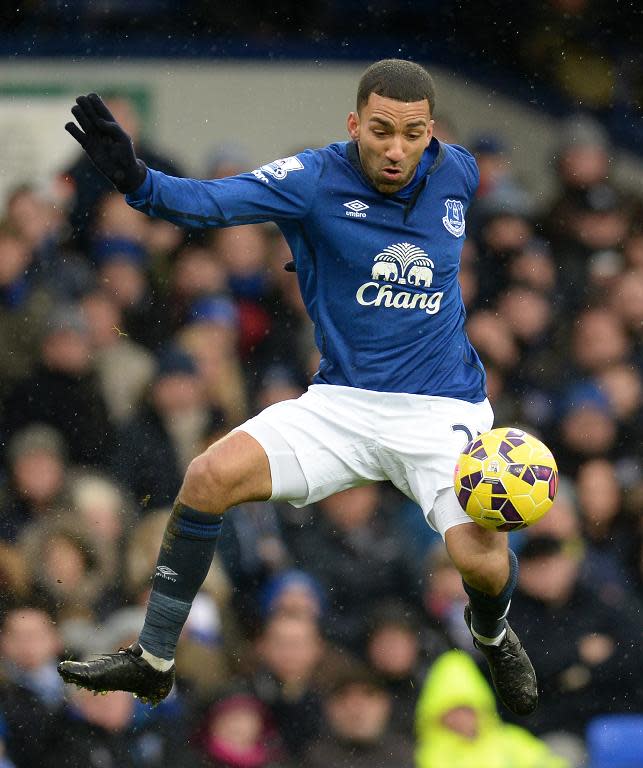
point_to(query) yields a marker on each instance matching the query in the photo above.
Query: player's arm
(268, 194)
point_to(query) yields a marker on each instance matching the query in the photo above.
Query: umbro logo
(166, 573)
(356, 209)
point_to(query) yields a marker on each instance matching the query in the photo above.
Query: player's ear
(352, 125)
(429, 132)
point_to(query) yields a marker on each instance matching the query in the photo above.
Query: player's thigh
(322, 439)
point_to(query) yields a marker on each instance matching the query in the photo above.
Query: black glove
(106, 143)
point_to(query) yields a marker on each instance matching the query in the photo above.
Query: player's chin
(390, 186)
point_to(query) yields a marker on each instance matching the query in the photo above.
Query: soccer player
(375, 226)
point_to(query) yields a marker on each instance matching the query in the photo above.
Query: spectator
(210, 335)
(595, 668)
(68, 569)
(30, 646)
(289, 654)
(124, 367)
(457, 724)
(239, 732)
(357, 713)
(399, 648)
(104, 728)
(37, 485)
(156, 446)
(356, 552)
(24, 304)
(63, 391)
(89, 186)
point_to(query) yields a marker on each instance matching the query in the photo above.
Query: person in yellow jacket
(457, 725)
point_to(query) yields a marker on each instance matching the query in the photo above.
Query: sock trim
(489, 640)
(156, 662)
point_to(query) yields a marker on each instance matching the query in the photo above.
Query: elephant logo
(454, 218)
(420, 275)
(384, 270)
(403, 263)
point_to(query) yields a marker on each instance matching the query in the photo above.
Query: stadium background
(127, 345)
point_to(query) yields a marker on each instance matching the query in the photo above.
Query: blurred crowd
(331, 634)
(560, 54)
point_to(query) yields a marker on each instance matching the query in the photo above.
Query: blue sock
(184, 560)
(488, 612)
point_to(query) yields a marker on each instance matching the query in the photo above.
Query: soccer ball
(506, 479)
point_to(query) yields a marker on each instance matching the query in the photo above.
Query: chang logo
(401, 264)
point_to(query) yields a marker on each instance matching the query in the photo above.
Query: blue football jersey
(378, 273)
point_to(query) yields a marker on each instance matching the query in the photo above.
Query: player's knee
(204, 483)
(487, 573)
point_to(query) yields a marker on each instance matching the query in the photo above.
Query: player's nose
(395, 150)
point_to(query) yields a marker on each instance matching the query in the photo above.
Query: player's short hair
(396, 79)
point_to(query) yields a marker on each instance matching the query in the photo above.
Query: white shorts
(343, 437)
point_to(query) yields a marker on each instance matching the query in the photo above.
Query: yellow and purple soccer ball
(506, 479)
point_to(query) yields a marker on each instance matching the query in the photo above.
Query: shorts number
(465, 429)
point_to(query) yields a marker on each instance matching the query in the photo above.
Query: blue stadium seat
(615, 741)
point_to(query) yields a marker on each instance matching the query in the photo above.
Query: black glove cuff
(130, 180)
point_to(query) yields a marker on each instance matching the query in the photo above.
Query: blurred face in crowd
(64, 565)
(600, 229)
(14, 259)
(627, 299)
(534, 268)
(493, 339)
(29, 639)
(598, 340)
(633, 250)
(103, 318)
(99, 503)
(351, 509)
(115, 218)
(599, 493)
(392, 135)
(550, 578)
(243, 249)
(291, 647)
(561, 522)
(32, 217)
(177, 392)
(588, 430)
(112, 712)
(393, 651)
(461, 720)
(359, 712)
(238, 727)
(584, 166)
(527, 313)
(67, 350)
(38, 476)
(624, 389)
(507, 234)
(125, 281)
(197, 273)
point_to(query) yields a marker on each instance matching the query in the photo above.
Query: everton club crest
(454, 218)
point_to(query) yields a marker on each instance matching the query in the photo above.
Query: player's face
(392, 135)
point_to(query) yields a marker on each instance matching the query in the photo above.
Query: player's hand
(106, 143)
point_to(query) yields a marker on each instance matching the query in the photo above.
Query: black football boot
(511, 671)
(122, 671)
